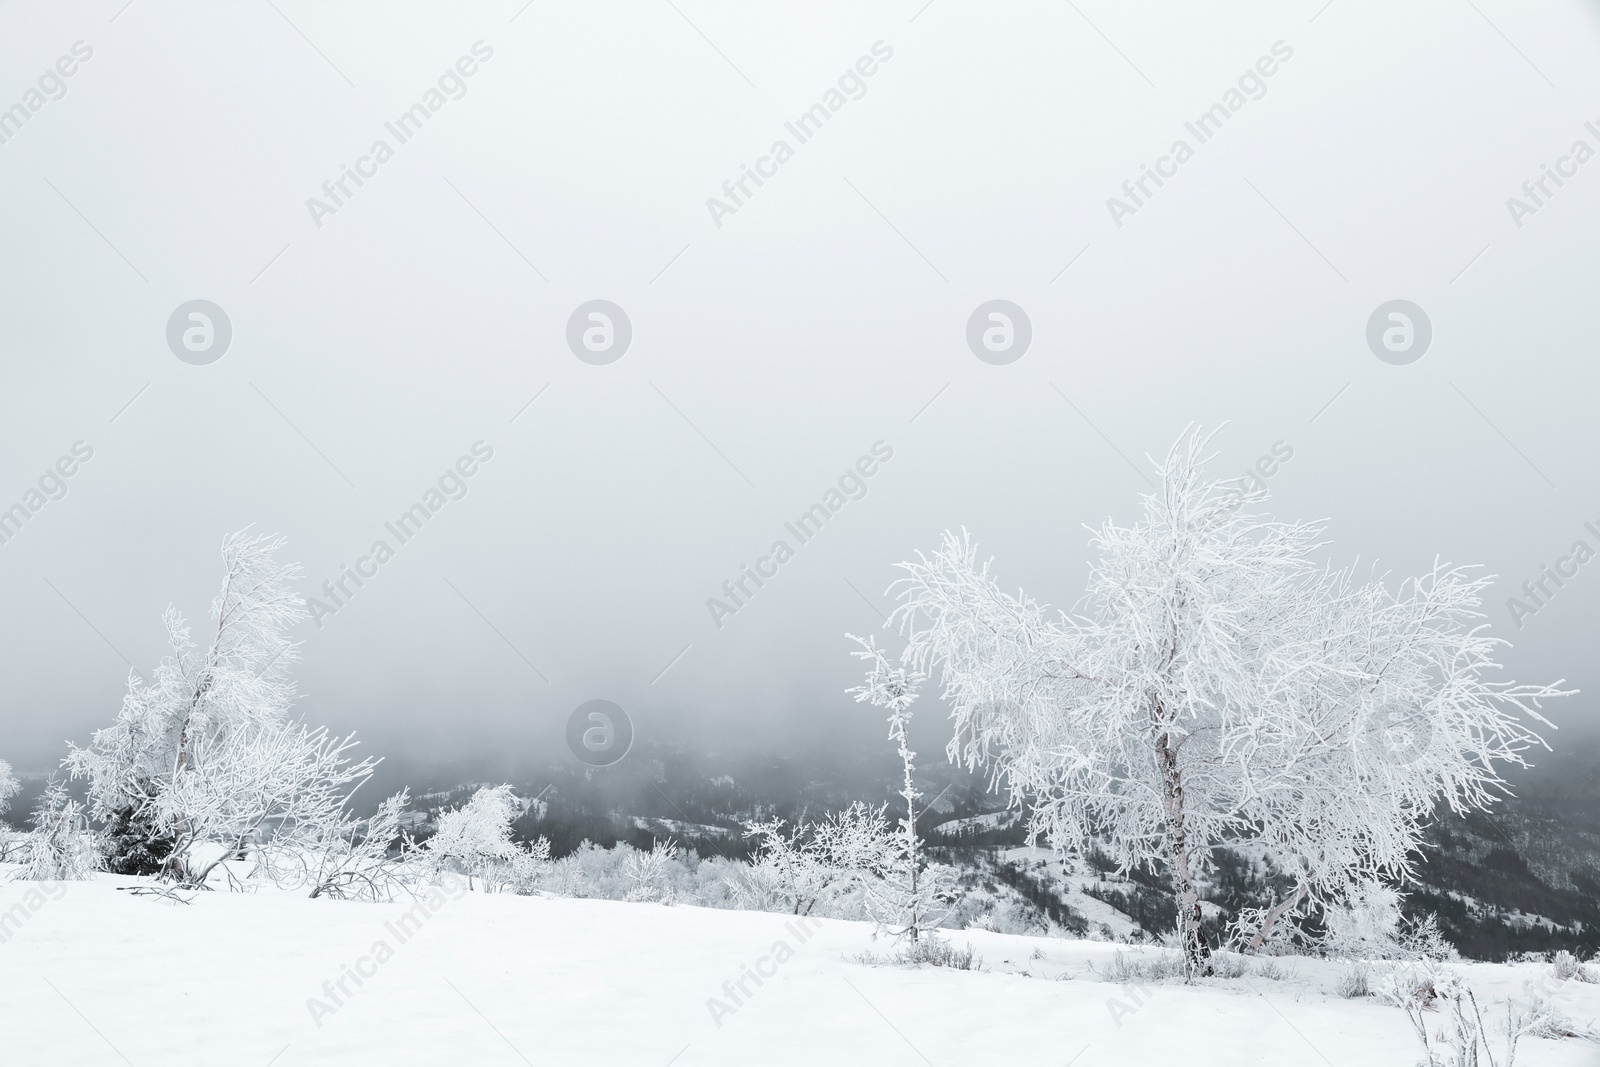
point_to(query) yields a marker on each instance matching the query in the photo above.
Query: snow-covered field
(96, 976)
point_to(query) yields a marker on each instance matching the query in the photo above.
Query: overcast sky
(381, 332)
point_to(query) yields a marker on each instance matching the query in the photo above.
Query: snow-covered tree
(1368, 924)
(649, 874)
(277, 785)
(911, 895)
(10, 840)
(345, 858)
(476, 837)
(796, 868)
(785, 873)
(8, 785)
(1218, 687)
(528, 869)
(203, 753)
(60, 847)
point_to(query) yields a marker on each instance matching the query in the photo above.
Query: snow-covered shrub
(1540, 1018)
(784, 875)
(1130, 969)
(1369, 925)
(347, 859)
(1463, 1030)
(1226, 964)
(930, 949)
(1366, 925)
(1425, 939)
(1354, 982)
(848, 852)
(1273, 970)
(613, 874)
(61, 847)
(649, 873)
(1565, 966)
(1415, 984)
(590, 871)
(527, 869)
(202, 757)
(11, 843)
(1005, 916)
(8, 785)
(1220, 687)
(475, 838)
(285, 786)
(10, 840)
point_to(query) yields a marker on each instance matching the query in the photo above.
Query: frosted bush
(8, 785)
(1369, 925)
(1565, 967)
(1008, 917)
(61, 847)
(591, 871)
(650, 873)
(1354, 981)
(1416, 984)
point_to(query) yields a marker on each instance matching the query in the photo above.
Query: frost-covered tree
(345, 858)
(785, 873)
(649, 874)
(10, 840)
(276, 786)
(1368, 924)
(476, 837)
(911, 895)
(8, 785)
(796, 868)
(203, 754)
(60, 847)
(1217, 687)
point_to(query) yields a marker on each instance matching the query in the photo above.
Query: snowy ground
(95, 976)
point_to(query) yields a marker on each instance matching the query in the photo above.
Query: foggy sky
(773, 346)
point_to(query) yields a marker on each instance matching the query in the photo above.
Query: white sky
(767, 353)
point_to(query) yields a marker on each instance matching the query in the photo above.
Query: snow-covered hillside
(93, 975)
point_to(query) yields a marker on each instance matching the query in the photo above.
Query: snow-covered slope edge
(92, 975)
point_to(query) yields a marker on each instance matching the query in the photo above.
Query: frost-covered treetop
(1218, 685)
